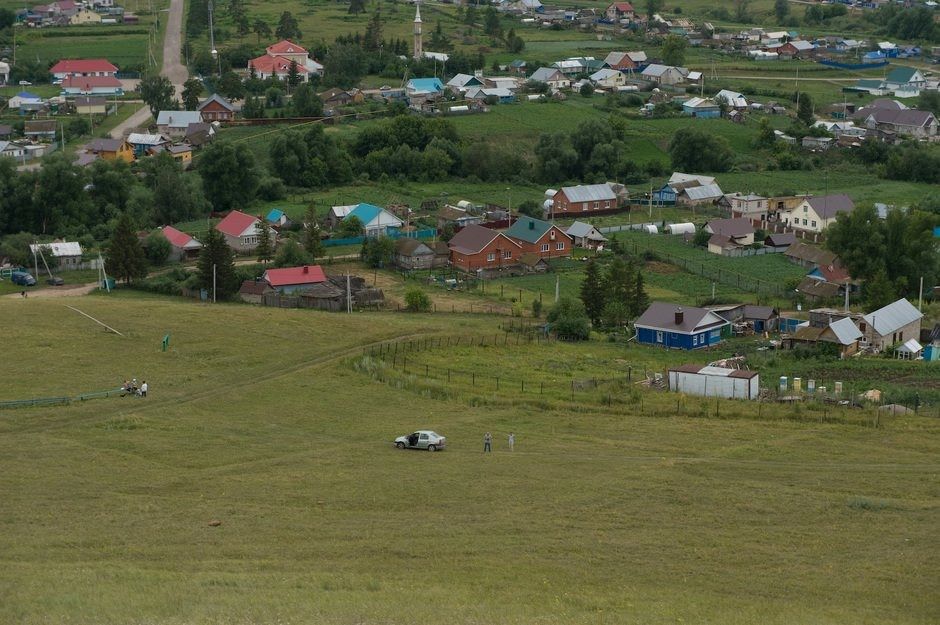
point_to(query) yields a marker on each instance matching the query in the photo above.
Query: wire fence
(59, 401)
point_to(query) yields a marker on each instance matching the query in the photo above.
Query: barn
(711, 381)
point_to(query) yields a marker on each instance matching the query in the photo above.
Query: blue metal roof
(366, 213)
(275, 215)
(426, 84)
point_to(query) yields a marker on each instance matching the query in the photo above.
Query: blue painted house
(665, 195)
(669, 325)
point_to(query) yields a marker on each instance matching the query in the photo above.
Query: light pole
(212, 50)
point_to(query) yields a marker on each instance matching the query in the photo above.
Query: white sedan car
(421, 439)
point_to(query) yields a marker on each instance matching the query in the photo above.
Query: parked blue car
(23, 278)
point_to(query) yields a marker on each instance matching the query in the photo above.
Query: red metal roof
(624, 7)
(268, 64)
(235, 223)
(175, 237)
(81, 66)
(308, 274)
(285, 47)
(88, 82)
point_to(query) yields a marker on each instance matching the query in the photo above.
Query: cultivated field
(273, 423)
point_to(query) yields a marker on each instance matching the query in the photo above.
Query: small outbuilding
(711, 381)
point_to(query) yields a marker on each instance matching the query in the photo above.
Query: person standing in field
(512, 441)
(487, 442)
(143, 388)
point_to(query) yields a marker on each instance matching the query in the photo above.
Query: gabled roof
(661, 316)
(545, 74)
(529, 229)
(907, 117)
(828, 206)
(623, 7)
(758, 312)
(180, 239)
(901, 75)
(104, 145)
(86, 83)
(428, 85)
(733, 98)
(604, 74)
(735, 227)
(178, 119)
(722, 241)
(236, 223)
(679, 177)
(58, 248)
(82, 66)
(274, 215)
(704, 192)
(90, 100)
(833, 272)
(473, 238)
(285, 47)
(580, 229)
(893, 317)
(463, 80)
(845, 331)
(26, 95)
(779, 239)
(139, 138)
(369, 213)
(810, 253)
(589, 193)
(215, 97)
(254, 287)
(287, 276)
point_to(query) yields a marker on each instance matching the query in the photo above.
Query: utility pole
(348, 295)
(213, 283)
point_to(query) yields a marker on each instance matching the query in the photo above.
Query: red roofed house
(92, 85)
(182, 246)
(241, 231)
(277, 61)
(620, 11)
(292, 279)
(479, 249)
(83, 67)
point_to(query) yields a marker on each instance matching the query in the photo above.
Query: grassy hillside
(270, 422)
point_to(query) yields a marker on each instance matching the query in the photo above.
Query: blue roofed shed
(277, 217)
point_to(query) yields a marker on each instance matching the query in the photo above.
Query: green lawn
(269, 424)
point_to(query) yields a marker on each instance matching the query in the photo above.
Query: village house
(289, 280)
(253, 291)
(827, 282)
(586, 236)
(198, 135)
(456, 217)
(891, 325)
(732, 99)
(462, 82)
(620, 11)
(85, 16)
(749, 205)
(627, 62)
(411, 254)
(424, 88)
(181, 153)
(815, 214)
(376, 221)
(66, 255)
(174, 124)
(335, 97)
(664, 74)
(41, 129)
(582, 199)
(701, 107)
(542, 238)
(608, 78)
(905, 79)
(242, 232)
(277, 61)
(476, 249)
(806, 255)
(552, 77)
(83, 68)
(901, 122)
(183, 247)
(12, 149)
(669, 325)
(92, 85)
(779, 241)
(111, 149)
(728, 234)
(215, 108)
(842, 333)
(143, 143)
(90, 105)
(796, 49)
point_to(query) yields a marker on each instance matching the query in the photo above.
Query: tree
(701, 237)
(290, 254)
(765, 134)
(192, 89)
(619, 283)
(287, 27)
(265, 248)
(229, 174)
(587, 90)
(344, 65)
(253, 108)
(593, 294)
(157, 248)
(857, 239)
(378, 252)
(879, 291)
(231, 85)
(491, 25)
(372, 40)
(261, 28)
(692, 149)
(615, 315)
(306, 103)
(641, 300)
(217, 258)
(653, 7)
(928, 100)
(470, 17)
(417, 300)
(673, 52)
(350, 227)
(781, 10)
(157, 92)
(312, 242)
(569, 321)
(439, 40)
(7, 18)
(530, 208)
(804, 112)
(125, 258)
(293, 75)
(357, 6)
(740, 11)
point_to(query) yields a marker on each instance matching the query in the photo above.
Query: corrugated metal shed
(704, 192)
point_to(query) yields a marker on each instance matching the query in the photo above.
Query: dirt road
(172, 68)
(59, 291)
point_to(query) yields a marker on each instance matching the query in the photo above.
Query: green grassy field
(262, 419)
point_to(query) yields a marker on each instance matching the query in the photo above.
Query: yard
(271, 491)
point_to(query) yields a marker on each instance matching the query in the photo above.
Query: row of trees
(613, 296)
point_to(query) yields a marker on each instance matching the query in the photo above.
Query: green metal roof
(901, 75)
(528, 229)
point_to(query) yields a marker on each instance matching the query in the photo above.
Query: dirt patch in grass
(660, 267)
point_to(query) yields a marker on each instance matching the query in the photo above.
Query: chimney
(306, 269)
(531, 225)
(679, 316)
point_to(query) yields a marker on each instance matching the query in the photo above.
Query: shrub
(417, 300)
(569, 320)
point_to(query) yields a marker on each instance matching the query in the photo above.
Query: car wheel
(400, 445)
(432, 448)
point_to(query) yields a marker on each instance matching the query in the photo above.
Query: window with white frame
(491, 257)
(507, 254)
(545, 247)
(560, 245)
(659, 336)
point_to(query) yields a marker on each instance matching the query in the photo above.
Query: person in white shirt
(512, 440)
(143, 388)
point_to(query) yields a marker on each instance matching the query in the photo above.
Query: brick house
(582, 199)
(479, 249)
(544, 239)
(216, 108)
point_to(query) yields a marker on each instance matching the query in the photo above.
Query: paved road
(172, 68)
